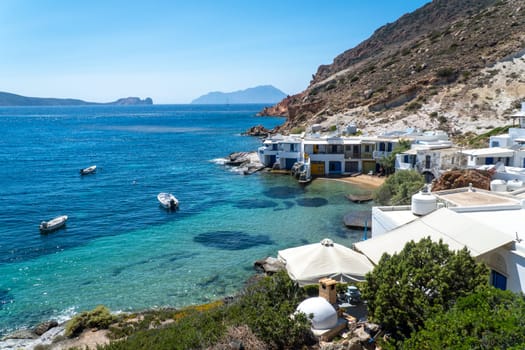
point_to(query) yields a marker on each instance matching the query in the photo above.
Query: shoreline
(362, 180)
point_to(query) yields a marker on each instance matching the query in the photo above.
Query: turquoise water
(119, 247)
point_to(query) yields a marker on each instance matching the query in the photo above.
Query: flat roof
(399, 215)
(487, 152)
(332, 141)
(469, 198)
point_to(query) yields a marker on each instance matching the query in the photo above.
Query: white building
(430, 160)
(490, 225)
(281, 152)
(505, 154)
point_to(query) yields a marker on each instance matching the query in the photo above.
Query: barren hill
(456, 65)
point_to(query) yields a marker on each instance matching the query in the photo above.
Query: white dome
(325, 316)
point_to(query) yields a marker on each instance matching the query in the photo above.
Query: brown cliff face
(448, 63)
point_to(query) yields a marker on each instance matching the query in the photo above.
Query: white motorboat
(168, 201)
(88, 170)
(52, 225)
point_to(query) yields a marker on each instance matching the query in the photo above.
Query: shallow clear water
(119, 247)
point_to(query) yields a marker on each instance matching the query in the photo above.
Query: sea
(120, 248)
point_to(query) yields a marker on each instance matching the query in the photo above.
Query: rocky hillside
(456, 65)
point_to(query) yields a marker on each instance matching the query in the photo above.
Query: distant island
(258, 94)
(8, 99)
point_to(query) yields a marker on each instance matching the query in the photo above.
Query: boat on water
(88, 170)
(301, 171)
(168, 201)
(52, 225)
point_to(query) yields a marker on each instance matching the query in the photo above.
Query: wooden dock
(358, 220)
(360, 198)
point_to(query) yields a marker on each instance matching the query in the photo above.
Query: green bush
(311, 290)
(487, 319)
(445, 72)
(425, 278)
(399, 188)
(265, 307)
(297, 130)
(99, 317)
(413, 106)
(196, 330)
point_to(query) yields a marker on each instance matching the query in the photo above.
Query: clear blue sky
(174, 51)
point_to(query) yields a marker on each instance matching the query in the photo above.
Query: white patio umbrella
(309, 263)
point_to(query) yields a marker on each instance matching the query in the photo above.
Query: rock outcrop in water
(245, 163)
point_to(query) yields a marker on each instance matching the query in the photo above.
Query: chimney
(327, 290)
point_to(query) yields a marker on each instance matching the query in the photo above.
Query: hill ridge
(455, 65)
(10, 99)
(257, 94)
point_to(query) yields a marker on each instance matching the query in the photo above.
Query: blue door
(498, 280)
(290, 162)
(334, 167)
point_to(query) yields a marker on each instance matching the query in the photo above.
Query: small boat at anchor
(88, 170)
(168, 201)
(52, 225)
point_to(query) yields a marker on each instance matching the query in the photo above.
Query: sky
(175, 51)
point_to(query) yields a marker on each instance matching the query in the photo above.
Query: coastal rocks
(280, 109)
(245, 163)
(258, 131)
(44, 327)
(269, 265)
(29, 339)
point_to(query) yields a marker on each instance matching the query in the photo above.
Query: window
(382, 146)
(427, 162)
(498, 280)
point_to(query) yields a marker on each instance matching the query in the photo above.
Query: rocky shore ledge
(245, 163)
(45, 334)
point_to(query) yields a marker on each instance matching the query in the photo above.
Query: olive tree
(424, 278)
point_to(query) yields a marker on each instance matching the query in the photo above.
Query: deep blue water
(119, 248)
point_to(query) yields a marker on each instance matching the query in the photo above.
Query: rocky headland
(8, 99)
(454, 65)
